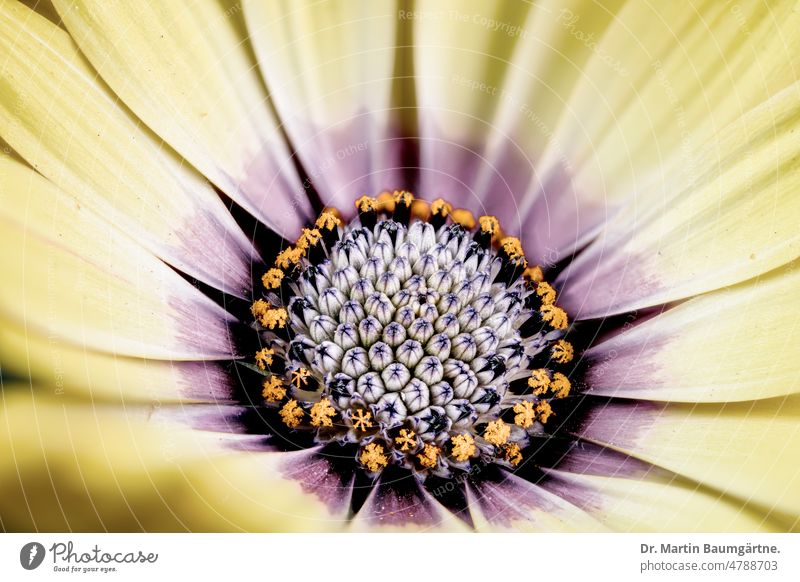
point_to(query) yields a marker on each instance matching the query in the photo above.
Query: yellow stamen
(366, 204)
(289, 256)
(497, 432)
(407, 440)
(264, 358)
(546, 292)
(560, 385)
(534, 274)
(544, 410)
(291, 414)
(563, 352)
(300, 376)
(259, 308)
(464, 218)
(362, 420)
(526, 414)
(489, 224)
(463, 447)
(385, 202)
(308, 238)
(555, 316)
(402, 197)
(272, 278)
(328, 220)
(539, 381)
(273, 318)
(513, 454)
(274, 390)
(512, 247)
(322, 412)
(441, 206)
(429, 456)
(420, 209)
(372, 457)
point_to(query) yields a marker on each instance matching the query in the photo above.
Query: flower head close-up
(418, 266)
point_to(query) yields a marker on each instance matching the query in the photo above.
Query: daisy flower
(348, 266)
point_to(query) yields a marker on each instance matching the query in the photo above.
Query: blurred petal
(57, 115)
(318, 475)
(99, 376)
(746, 449)
(205, 100)
(737, 221)
(506, 502)
(739, 343)
(548, 61)
(463, 52)
(403, 505)
(83, 282)
(660, 83)
(651, 505)
(71, 467)
(329, 67)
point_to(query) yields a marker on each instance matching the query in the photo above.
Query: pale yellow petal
(662, 81)
(83, 282)
(56, 114)
(738, 220)
(463, 52)
(330, 70)
(66, 466)
(652, 505)
(77, 372)
(745, 449)
(738, 343)
(184, 69)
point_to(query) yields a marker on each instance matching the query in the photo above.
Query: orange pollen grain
(322, 412)
(372, 457)
(273, 389)
(463, 447)
(546, 292)
(264, 358)
(526, 414)
(563, 352)
(429, 456)
(441, 206)
(489, 224)
(291, 413)
(497, 432)
(539, 381)
(328, 220)
(555, 316)
(366, 204)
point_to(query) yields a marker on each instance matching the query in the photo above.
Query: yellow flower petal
(744, 449)
(66, 466)
(635, 116)
(184, 70)
(77, 372)
(83, 282)
(739, 343)
(330, 67)
(464, 49)
(690, 73)
(516, 505)
(655, 505)
(737, 221)
(58, 116)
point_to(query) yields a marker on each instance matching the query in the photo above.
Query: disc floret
(415, 332)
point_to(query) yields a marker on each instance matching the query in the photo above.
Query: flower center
(414, 332)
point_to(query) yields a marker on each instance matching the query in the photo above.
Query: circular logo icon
(31, 555)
